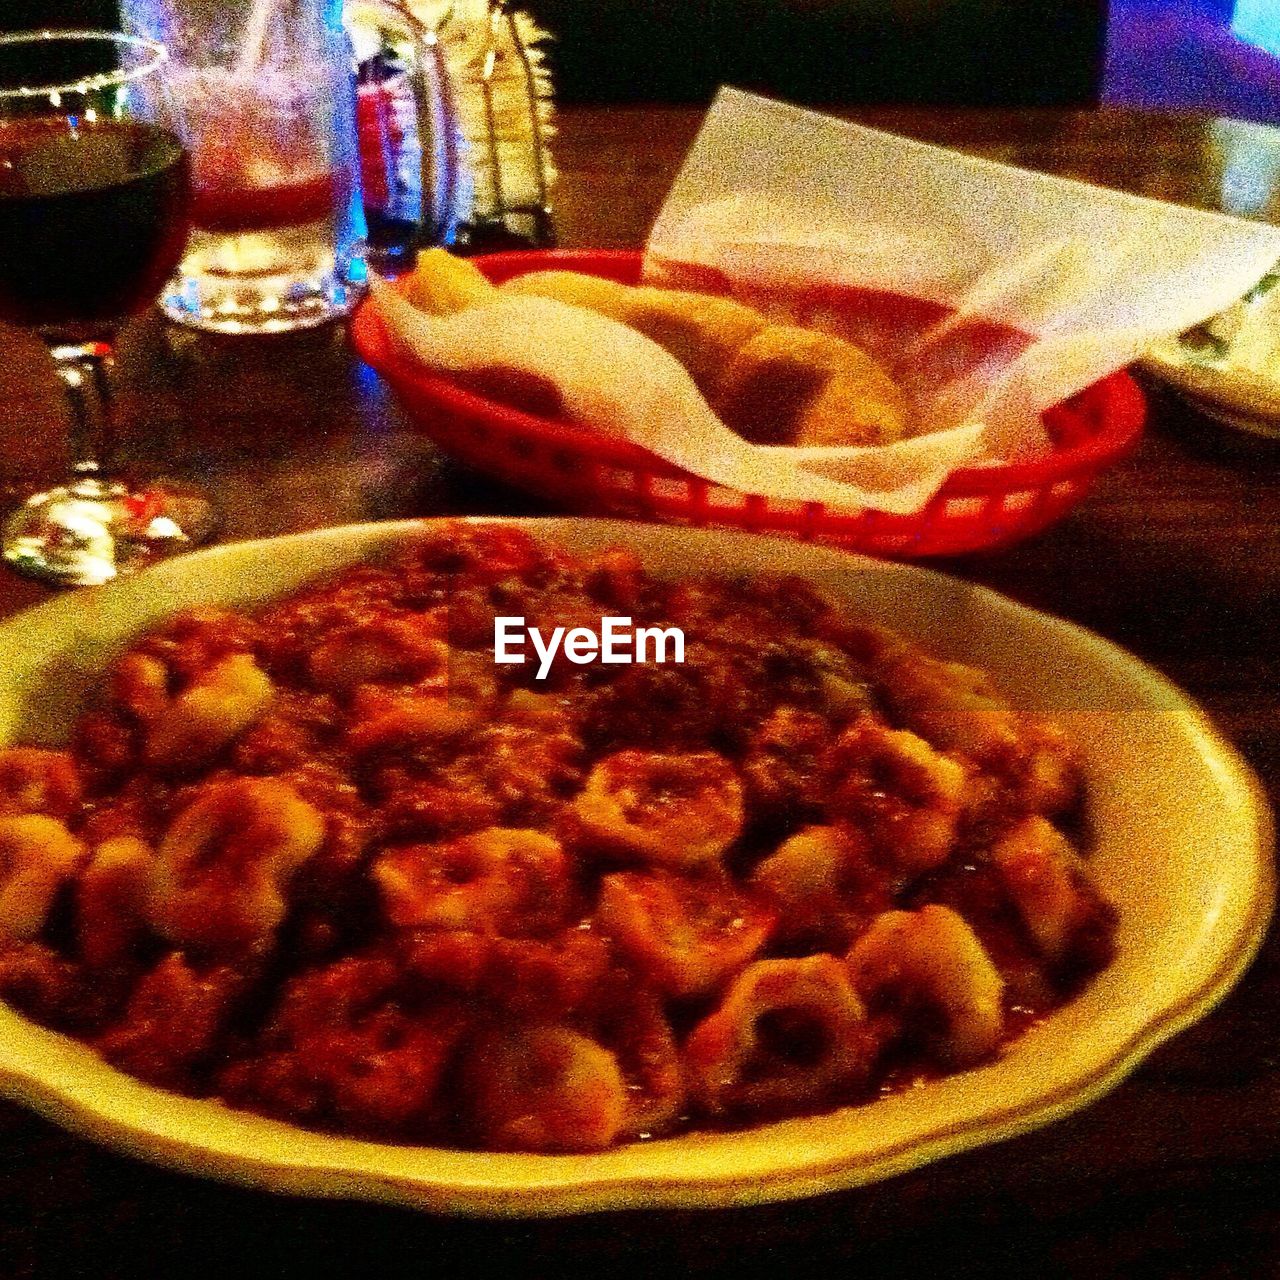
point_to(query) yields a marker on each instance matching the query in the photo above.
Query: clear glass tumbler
(268, 91)
(313, 123)
(414, 184)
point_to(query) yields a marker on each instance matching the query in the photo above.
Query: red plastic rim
(977, 507)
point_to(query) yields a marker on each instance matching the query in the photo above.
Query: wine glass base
(90, 531)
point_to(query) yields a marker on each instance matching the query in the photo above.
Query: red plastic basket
(977, 508)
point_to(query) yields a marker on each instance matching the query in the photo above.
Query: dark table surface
(1176, 556)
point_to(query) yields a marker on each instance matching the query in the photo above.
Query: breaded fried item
(793, 386)
(701, 330)
(774, 384)
(595, 293)
(859, 404)
(442, 284)
(771, 379)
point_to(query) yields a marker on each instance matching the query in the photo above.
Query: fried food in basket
(701, 330)
(442, 284)
(857, 403)
(577, 289)
(789, 385)
(771, 383)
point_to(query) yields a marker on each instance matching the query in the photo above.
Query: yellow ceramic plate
(1181, 845)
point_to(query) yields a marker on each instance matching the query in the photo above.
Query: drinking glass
(266, 90)
(95, 200)
(269, 89)
(414, 185)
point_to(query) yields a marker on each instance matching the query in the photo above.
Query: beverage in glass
(266, 87)
(95, 206)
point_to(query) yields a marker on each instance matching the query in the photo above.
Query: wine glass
(95, 198)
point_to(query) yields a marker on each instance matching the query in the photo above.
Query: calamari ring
(37, 856)
(958, 708)
(934, 954)
(490, 882)
(545, 1088)
(111, 899)
(193, 726)
(787, 1034)
(904, 794)
(823, 885)
(684, 936)
(1048, 883)
(223, 865)
(675, 809)
(636, 1031)
(807, 867)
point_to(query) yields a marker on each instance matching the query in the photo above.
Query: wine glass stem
(83, 369)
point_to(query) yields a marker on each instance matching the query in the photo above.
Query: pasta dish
(328, 861)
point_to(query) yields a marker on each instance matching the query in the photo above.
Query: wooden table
(1176, 556)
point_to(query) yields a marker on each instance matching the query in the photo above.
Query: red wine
(93, 220)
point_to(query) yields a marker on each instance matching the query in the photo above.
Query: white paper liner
(773, 198)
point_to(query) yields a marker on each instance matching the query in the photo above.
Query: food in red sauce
(327, 862)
